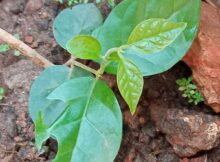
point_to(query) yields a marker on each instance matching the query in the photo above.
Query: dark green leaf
(154, 35)
(84, 47)
(130, 83)
(40, 131)
(81, 19)
(90, 128)
(48, 80)
(129, 13)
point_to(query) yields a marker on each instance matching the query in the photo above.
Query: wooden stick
(24, 49)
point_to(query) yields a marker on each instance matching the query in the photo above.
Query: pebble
(28, 39)
(17, 8)
(43, 24)
(34, 5)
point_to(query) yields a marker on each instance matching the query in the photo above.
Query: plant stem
(71, 67)
(78, 64)
(105, 61)
(24, 49)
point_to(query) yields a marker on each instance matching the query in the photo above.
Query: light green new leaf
(84, 47)
(153, 35)
(111, 2)
(4, 48)
(81, 19)
(90, 128)
(130, 83)
(129, 13)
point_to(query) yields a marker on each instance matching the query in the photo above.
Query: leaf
(90, 128)
(4, 48)
(81, 19)
(153, 35)
(130, 83)
(84, 47)
(48, 80)
(40, 131)
(129, 13)
(17, 53)
(111, 2)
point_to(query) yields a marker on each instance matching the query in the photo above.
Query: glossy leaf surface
(84, 47)
(81, 19)
(154, 35)
(130, 83)
(129, 13)
(90, 128)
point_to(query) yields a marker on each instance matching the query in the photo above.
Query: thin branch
(71, 66)
(78, 64)
(24, 49)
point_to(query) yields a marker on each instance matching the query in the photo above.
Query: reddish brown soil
(142, 142)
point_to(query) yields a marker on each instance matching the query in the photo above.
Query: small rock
(204, 57)
(195, 159)
(187, 131)
(23, 152)
(142, 120)
(18, 139)
(34, 5)
(28, 39)
(43, 24)
(20, 74)
(35, 44)
(17, 8)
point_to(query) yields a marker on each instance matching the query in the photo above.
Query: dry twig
(24, 49)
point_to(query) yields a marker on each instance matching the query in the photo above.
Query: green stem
(105, 61)
(103, 65)
(71, 67)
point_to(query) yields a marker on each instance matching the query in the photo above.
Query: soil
(142, 142)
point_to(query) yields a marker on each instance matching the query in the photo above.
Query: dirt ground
(142, 141)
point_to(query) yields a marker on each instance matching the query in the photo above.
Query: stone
(17, 8)
(28, 39)
(195, 159)
(34, 5)
(43, 25)
(189, 132)
(20, 74)
(204, 57)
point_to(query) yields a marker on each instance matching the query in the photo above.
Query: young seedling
(73, 105)
(189, 90)
(2, 93)
(6, 47)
